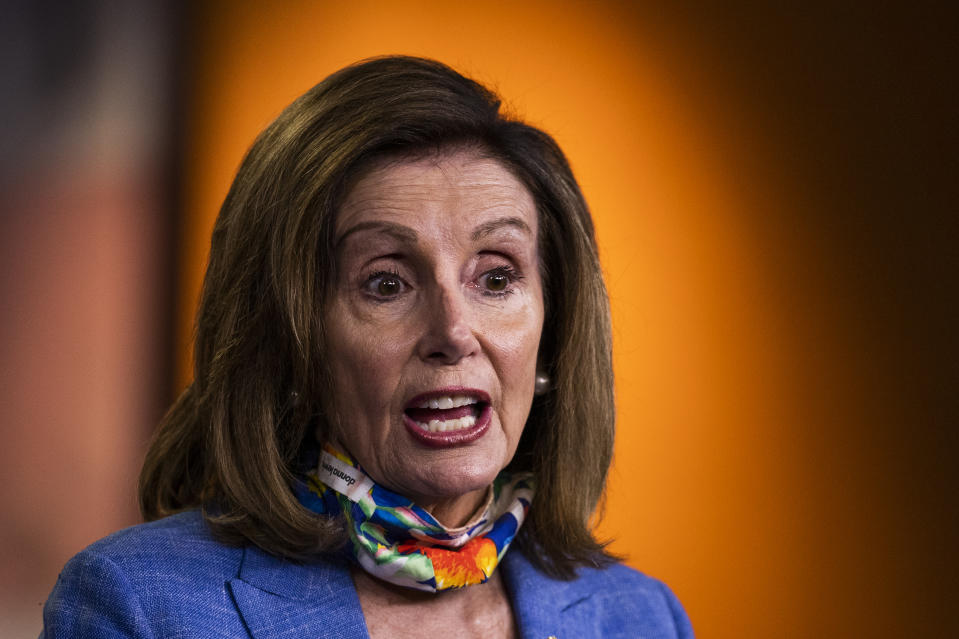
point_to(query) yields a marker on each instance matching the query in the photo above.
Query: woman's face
(434, 327)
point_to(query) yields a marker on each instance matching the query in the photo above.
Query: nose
(449, 334)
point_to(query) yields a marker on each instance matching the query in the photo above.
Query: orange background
(774, 196)
(743, 373)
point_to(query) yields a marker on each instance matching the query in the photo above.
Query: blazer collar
(540, 602)
(287, 600)
(282, 599)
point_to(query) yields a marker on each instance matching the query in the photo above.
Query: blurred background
(775, 195)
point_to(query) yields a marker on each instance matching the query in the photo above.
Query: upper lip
(451, 391)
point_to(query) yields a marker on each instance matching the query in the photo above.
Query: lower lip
(450, 438)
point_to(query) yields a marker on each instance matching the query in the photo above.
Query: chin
(452, 477)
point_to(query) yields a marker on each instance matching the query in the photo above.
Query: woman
(402, 371)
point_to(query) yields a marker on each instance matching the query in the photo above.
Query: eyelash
(379, 276)
(512, 277)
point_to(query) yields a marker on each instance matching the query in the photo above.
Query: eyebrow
(494, 225)
(400, 232)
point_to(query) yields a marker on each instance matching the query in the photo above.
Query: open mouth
(445, 417)
(446, 413)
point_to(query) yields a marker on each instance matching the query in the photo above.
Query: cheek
(516, 342)
(523, 333)
(362, 365)
(518, 352)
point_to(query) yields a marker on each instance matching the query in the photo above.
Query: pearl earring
(541, 385)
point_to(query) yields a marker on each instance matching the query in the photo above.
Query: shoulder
(162, 535)
(136, 582)
(612, 601)
(633, 592)
(620, 579)
(168, 544)
(632, 602)
(163, 557)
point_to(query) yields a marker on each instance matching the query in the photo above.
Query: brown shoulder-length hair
(231, 442)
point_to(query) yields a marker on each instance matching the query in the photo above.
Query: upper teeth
(447, 402)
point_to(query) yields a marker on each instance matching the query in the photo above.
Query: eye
(385, 284)
(498, 280)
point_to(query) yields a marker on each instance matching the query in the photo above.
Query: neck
(457, 511)
(482, 610)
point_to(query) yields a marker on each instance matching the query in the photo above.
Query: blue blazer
(170, 578)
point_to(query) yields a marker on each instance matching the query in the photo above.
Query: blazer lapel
(541, 604)
(285, 600)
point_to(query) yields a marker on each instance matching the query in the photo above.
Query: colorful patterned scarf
(394, 539)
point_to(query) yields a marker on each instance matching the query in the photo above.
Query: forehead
(459, 188)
